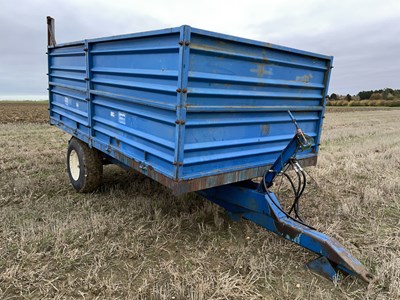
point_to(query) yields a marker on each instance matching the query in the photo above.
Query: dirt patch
(23, 112)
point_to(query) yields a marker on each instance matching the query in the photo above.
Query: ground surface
(133, 239)
(23, 111)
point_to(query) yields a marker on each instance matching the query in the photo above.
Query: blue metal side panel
(325, 93)
(134, 98)
(190, 108)
(67, 87)
(239, 92)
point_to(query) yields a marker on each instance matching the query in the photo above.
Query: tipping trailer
(198, 111)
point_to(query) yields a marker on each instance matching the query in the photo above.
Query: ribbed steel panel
(238, 97)
(189, 108)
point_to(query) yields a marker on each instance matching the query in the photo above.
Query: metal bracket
(180, 122)
(51, 34)
(143, 166)
(322, 266)
(186, 43)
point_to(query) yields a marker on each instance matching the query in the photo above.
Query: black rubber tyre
(84, 166)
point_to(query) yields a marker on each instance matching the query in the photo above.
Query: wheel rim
(74, 168)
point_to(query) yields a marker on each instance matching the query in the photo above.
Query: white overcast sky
(363, 36)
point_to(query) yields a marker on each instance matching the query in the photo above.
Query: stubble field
(133, 239)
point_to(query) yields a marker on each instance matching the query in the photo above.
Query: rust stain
(261, 70)
(286, 230)
(219, 47)
(305, 78)
(264, 55)
(265, 128)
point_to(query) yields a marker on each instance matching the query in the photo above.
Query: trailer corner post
(51, 33)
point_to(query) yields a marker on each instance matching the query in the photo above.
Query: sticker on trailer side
(121, 118)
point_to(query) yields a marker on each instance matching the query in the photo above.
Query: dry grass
(133, 239)
(363, 103)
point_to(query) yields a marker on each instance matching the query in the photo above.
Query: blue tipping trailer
(197, 111)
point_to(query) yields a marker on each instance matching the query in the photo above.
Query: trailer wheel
(84, 165)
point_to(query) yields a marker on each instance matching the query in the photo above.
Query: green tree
(333, 96)
(365, 94)
(386, 94)
(375, 96)
(348, 97)
(389, 97)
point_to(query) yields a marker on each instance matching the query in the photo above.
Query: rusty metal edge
(181, 187)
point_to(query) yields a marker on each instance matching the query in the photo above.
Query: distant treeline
(382, 97)
(382, 94)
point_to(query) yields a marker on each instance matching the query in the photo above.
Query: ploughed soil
(23, 112)
(37, 111)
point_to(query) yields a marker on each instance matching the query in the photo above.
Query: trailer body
(199, 111)
(189, 108)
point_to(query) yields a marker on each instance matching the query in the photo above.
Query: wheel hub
(74, 167)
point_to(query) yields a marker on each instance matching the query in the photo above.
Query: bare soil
(23, 112)
(359, 108)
